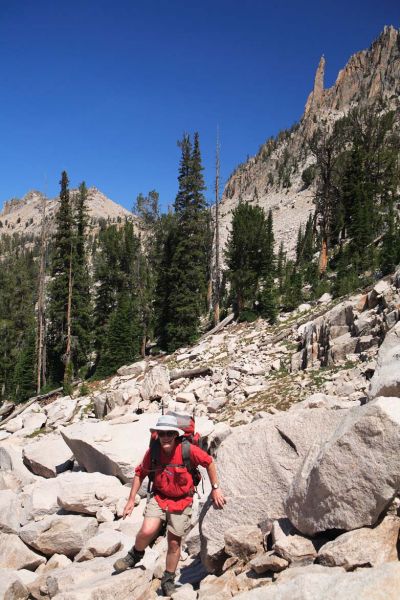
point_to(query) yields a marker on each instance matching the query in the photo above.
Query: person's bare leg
(147, 532)
(173, 556)
(173, 552)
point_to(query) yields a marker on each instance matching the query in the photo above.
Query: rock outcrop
(256, 466)
(275, 171)
(48, 457)
(63, 534)
(331, 584)
(350, 479)
(365, 547)
(386, 379)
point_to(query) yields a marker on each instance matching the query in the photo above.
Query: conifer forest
(78, 304)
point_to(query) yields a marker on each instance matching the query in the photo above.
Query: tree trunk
(143, 345)
(67, 372)
(217, 269)
(323, 257)
(190, 373)
(220, 326)
(40, 332)
(209, 292)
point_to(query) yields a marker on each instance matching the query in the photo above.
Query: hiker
(171, 498)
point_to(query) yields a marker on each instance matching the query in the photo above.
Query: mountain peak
(275, 172)
(24, 215)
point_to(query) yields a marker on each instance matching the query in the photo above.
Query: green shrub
(84, 390)
(308, 175)
(248, 316)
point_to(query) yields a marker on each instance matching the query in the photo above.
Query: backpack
(187, 424)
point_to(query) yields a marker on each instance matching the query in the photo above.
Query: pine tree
(81, 299)
(299, 245)
(280, 268)
(41, 297)
(268, 267)
(63, 244)
(368, 181)
(109, 278)
(268, 295)
(188, 270)
(147, 209)
(123, 337)
(346, 280)
(119, 272)
(308, 248)
(165, 243)
(389, 246)
(268, 306)
(248, 254)
(326, 149)
(138, 278)
(24, 372)
(292, 287)
(18, 280)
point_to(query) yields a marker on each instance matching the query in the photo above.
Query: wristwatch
(215, 486)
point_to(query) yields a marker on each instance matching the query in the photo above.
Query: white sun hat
(167, 423)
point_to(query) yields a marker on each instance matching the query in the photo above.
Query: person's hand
(218, 498)
(129, 506)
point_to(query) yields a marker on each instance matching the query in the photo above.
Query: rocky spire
(316, 95)
(319, 80)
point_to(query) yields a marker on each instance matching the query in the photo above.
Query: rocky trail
(303, 419)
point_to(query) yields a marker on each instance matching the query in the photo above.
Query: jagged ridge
(274, 173)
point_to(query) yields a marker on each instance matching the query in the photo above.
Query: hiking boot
(129, 561)
(167, 583)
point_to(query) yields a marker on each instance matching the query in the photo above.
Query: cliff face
(371, 74)
(272, 178)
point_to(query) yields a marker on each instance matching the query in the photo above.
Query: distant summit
(368, 76)
(24, 215)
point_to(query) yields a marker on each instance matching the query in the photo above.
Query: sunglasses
(166, 433)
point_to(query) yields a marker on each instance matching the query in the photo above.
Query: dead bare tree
(40, 330)
(67, 373)
(217, 275)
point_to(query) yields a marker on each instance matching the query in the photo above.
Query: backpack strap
(196, 475)
(155, 454)
(186, 454)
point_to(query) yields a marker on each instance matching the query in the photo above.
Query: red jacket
(173, 485)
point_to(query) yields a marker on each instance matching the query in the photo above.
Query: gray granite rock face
(155, 383)
(256, 465)
(347, 481)
(317, 582)
(243, 541)
(363, 547)
(15, 555)
(59, 534)
(48, 457)
(294, 548)
(10, 512)
(386, 379)
(86, 493)
(11, 586)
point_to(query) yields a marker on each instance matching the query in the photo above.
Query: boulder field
(304, 424)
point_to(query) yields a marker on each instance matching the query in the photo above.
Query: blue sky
(104, 89)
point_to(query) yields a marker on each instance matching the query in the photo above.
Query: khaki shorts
(177, 523)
